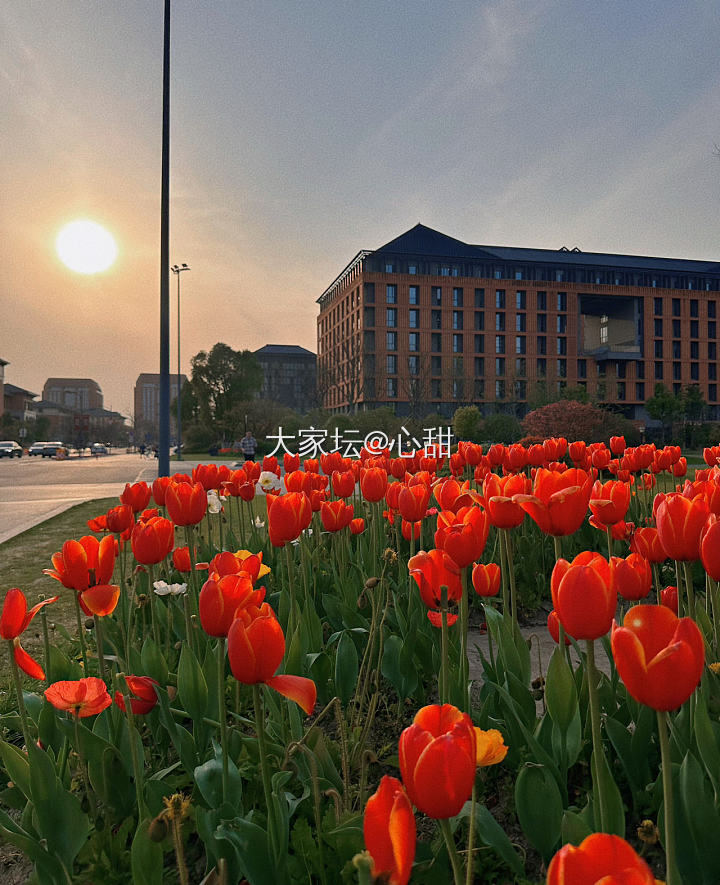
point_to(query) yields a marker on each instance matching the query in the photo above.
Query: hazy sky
(303, 132)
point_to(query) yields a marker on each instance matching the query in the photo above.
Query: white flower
(162, 588)
(268, 481)
(215, 502)
(259, 524)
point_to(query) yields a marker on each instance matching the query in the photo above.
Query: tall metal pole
(164, 416)
(177, 270)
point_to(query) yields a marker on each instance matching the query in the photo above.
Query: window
(458, 388)
(676, 307)
(391, 387)
(457, 343)
(639, 369)
(369, 316)
(499, 366)
(712, 350)
(520, 300)
(479, 366)
(413, 341)
(414, 365)
(435, 341)
(499, 322)
(695, 371)
(694, 328)
(457, 319)
(676, 328)
(499, 389)
(520, 366)
(500, 299)
(582, 368)
(389, 267)
(520, 390)
(677, 388)
(604, 322)
(369, 293)
(677, 371)
(412, 268)
(518, 274)
(658, 349)
(391, 294)
(414, 318)
(520, 344)
(391, 317)
(712, 392)
(562, 346)
(542, 300)
(658, 328)
(541, 368)
(658, 371)
(562, 325)
(479, 320)
(694, 350)
(711, 309)
(436, 365)
(693, 307)
(658, 306)
(520, 322)
(676, 350)
(601, 390)
(391, 341)
(479, 344)
(621, 390)
(640, 390)
(499, 344)
(620, 369)
(414, 294)
(541, 344)
(562, 368)
(457, 297)
(712, 329)
(392, 364)
(562, 300)
(436, 296)
(712, 372)
(458, 368)
(436, 388)
(445, 271)
(436, 319)
(480, 298)
(542, 322)
(479, 389)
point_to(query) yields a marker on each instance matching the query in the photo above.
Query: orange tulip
(553, 625)
(390, 833)
(136, 495)
(463, 535)
(680, 522)
(207, 475)
(84, 563)
(288, 516)
(186, 503)
(14, 621)
(291, 462)
(82, 697)
(600, 859)
(583, 595)
(710, 547)
(100, 599)
(256, 647)
(159, 489)
(153, 540)
(659, 656)
(559, 500)
(120, 519)
(486, 579)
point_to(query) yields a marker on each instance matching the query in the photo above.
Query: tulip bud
(158, 828)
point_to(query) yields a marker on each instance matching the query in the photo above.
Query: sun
(86, 247)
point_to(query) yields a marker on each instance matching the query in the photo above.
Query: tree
(466, 423)
(567, 418)
(221, 379)
(501, 428)
(664, 407)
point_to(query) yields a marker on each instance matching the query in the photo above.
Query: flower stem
(17, 680)
(222, 715)
(444, 645)
(689, 588)
(455, 861)
(265, 771)
(99, 643)
(598, 753)
(137, 767)
(471, 837)
(672, 875)
(81, 633)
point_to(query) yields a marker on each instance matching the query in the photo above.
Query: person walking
(248, 444)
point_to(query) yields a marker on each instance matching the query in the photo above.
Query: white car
(10, 449)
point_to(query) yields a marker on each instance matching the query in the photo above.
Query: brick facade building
(428, 323)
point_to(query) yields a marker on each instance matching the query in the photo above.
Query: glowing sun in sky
(86, 247)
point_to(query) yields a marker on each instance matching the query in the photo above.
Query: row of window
(694, 329)
(458, 298)
(677, 307)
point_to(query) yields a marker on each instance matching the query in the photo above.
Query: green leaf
(208, 778)
(574, 828)
(539, 808)
(17, 766)
(153, 662)
(48, 869)
(492, 834)
(251, 844)
(703, 822)
(706, 741)
(397, 667)
(146, 857)
(346, 668)
(614, 804)
(192, 687)
(560, 693)
(60, 667)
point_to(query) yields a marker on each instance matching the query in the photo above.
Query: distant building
(147, 405)
(60, 424)
(289, 375)
(78, 394)
(3, 363)
(427, 322)
(18, 403)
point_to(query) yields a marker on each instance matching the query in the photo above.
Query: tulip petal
(101, 599)
(26, 663)
(299, 689)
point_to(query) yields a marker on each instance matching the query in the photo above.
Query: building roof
(13, 390)
(72, 382)
(283, 350)
(422, 240)
(4, 362)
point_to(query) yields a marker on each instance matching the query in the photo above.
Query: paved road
(35, 489)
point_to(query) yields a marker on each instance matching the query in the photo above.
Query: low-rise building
(289, 375)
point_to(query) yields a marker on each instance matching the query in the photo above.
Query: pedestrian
(248, 444)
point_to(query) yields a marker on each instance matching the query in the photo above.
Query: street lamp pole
(177, 270)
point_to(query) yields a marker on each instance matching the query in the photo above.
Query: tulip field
(271, 675)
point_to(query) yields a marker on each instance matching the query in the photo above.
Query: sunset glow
(86, 247)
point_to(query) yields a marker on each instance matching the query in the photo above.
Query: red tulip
(82, 697)
(659, 656)
(291, 462)
(463, 535)
(646, 542)
(336, 515)
(600, 859)
(153, 540)
(98, 524)
(343, 483)
(136, 495)
(288, 516)
(486, 579)
(83, 563)
(256, 647)
(451, 495)
(221, 597)
(432, 571)
(207, 475)
(410, 530)
(609, 502)
(181, 559)
(390, 833)
(583, 595)
(100, 599)
(553, 625)
(559, 501)
(438, 759)
(186, 504)
(680, 522)
(617, 445)
(142, 695)
(576, 450)
(503, 511)
(14, 621)
(373, 483)
(710, 547)
(669, 598)
(120, 519)
(159, 489)
(357, 526)
(631, 577)
(413, 502)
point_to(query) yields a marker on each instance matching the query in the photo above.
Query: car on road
(37, 448)
(98, 449)
(50, 449)
(10, 449)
